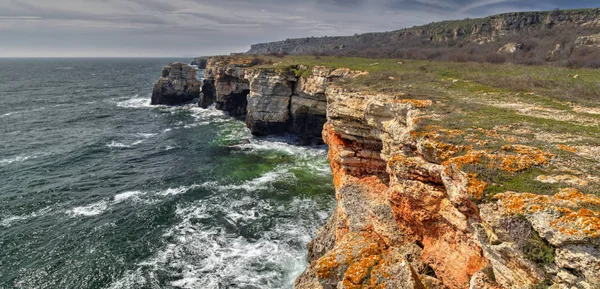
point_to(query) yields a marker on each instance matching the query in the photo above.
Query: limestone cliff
(480, 30)
(273, 101)
(409, 214)
(177, 85)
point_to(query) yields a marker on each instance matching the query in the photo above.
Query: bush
(494, 58)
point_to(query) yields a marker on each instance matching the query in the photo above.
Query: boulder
(177, 85)
(510, 48)
(588, 41)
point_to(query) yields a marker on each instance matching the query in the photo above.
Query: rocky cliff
(411, 206)
(480, 30)
(272, 101)
(177, 85)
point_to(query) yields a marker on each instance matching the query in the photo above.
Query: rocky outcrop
(510, 48)
(273, 101)
(408, 215)
(177, 85)
(400, 196)
(481, 31)
(200, 62)
(225, 85)
(588, 41)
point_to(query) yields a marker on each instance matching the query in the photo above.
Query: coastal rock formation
(481, 31)
(269, 101)
(225, 85)
(409, 213)
(273, 101)
(200, 62)
(177, 85)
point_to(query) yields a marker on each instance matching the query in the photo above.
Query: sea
(98, 189)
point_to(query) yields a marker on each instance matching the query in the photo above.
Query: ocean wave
(283, 146)
(135, 102)
(203, 254)
(312, 158)
(89, 210)
(102, 206)
(115, 144)
(8, 221)
(21, 112)
(119, 145)
(260, 183)
(17, 159)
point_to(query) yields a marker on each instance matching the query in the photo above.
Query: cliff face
(177, 85)
(409, 215)
(273, 101)
(479, 30)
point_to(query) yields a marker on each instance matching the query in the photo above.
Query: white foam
(203, 254)
(8, 221)
(100, 207)
(115, 144)
(16, 159)
(9, 114)
(262, 182)
(147, 135)
(127, 195)
(89, 210)
(119, 145)
(135, 102)
(176, 191)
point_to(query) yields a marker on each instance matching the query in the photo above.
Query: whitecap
(201, 254)
(16, 159)
(146, 135)
(176, 191)
(127, 195)
(115, 144)
(100, 207)
(135, 102)
(8, 221)
(260, 183)
(89, 210)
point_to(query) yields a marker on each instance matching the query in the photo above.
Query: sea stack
(177, 85)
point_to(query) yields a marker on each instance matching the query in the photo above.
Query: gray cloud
(196, 27)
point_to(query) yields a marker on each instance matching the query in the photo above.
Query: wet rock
(177, 85)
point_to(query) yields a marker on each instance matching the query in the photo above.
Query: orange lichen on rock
(351, 249)
(417, 103)
(568, 205)
(522, 158)
(581, 222)
(359, 271)
(476, 187)
(566, 148)
(336, 144)
(471, 157)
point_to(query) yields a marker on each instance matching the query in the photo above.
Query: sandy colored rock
(177, 85)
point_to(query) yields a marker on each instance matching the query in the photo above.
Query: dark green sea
(100, 190)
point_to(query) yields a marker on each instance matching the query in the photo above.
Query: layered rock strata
(273, 101)
(177, 85)
(408, 215)
(404, 197)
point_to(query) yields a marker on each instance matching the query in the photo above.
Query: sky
(178, 28)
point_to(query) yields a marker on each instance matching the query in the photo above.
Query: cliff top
(515, 128)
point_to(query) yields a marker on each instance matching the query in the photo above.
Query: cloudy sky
(76, 28)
